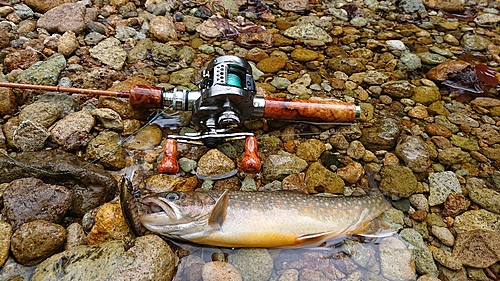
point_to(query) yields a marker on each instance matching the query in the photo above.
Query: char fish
(260, 219)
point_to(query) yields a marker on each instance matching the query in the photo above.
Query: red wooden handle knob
(169, 164)
(251, 161)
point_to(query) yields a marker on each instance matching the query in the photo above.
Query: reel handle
(169, 164)
(251, 161)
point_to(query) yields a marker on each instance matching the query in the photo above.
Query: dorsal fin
(218, 213)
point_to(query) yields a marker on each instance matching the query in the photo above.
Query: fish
(267, 219)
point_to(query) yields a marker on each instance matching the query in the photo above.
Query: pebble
(109, 225)
(149, 258)
(5, 235)
(396, 262)
(46, 202)
(486, 198)
(419, 201)
(110, 52)
(75, 236)
(62, 130)
(44, 72)
(310, 150)
(280, 83)
(214, 164)
(282, 164)
(424, 261)
(299, 87)
(414, 153)
(352, 172)
(148, 137)
(447, 259)
(320, 179)
(252, 264)
(441, 184)
(304, 55)
(65, 17)
(8, 101)
(219, 270)
(109, 119)
(426, 95)
(398, 181)
(308, 31)
(478, 248)
(382, 135)
(163, 29)
(271, 64)
(443, 234)
(477, 219)
(30, 136)
(104, 148)
(67, 43)
(35, 241)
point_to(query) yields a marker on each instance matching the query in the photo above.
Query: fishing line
(120, 143)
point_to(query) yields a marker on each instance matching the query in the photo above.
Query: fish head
(177, 214)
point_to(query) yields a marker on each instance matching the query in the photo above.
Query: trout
(260, 219)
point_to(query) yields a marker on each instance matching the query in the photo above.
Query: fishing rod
(226, 98)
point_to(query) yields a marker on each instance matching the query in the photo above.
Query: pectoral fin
(218, 213)
(376, 228)
(315, 238)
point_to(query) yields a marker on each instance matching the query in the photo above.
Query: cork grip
(169, 164)
(146, 96)
(251, 161)
(309, 110)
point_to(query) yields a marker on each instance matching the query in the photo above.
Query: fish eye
(172, 196)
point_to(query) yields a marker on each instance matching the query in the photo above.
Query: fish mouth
(160, 211)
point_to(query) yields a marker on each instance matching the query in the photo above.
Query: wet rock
(455, 204)
(308, 32)
(35, 241)
(289, 275)
(443, 234)
(280, 83)
(310, 150)
(43, 113)
(149, 259)
(320, 179)
(183, 76)
(414, 153)
(30, 199)
(477, 219)
(475, 42)
(352, 172)
(219, 270)
(30, 136)
(396, 262)
(163, 29)
(109, 118)
(190, 268)
(295, 182)
(80, 121)
(21, 59)
(424, 261)
(346, 65)
(147, 138)
(44, 5)
(398, 181)
(431, 58)
(412, 6)
(293, 5)
(434, 129)
(66, 17)
(383, 135)
(208, 29)
(123, 107)
(409, 61)
(8, 101)
(214, 164)
(426, 95)
(278, 166)
(75, 236)
(488, 135)
(478, 248)
(166, 183)
(484, 197)
(299, 87)
(271, 65)
(460, 118)
(5, 234)
(253, 264)
(452, 155)
(303, 55)
(67, 103)
(441, 184)
(398, 89)
(109, 225)
(447, 259)
(105, 148)
(92, 186)
(110, 52)
(44, 73)
(67, 44)
(263, 39)
(419, 201)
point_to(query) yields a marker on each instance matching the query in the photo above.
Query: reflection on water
(353, 258)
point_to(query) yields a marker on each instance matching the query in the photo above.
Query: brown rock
(256, 55)
(215, 164)
(478, 248)
(310, 150)
(35, 241)
(281, 41)
(5, 234)
(320, 179)
(66, 17)
(109, 225)
(486, 102)
(452, 6)
(271, 65)
(4, 39)
(352, 172)
(43, 6)
(435, 129)
(8, 101)
(455, 204)
(441, 72)
(21, 59)
(166, 183)
(67, 44)
(30, 199)
(419, 215)
(304, 55)
(293, 5)
(163, 29)
(295, 182)
(262, 39)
